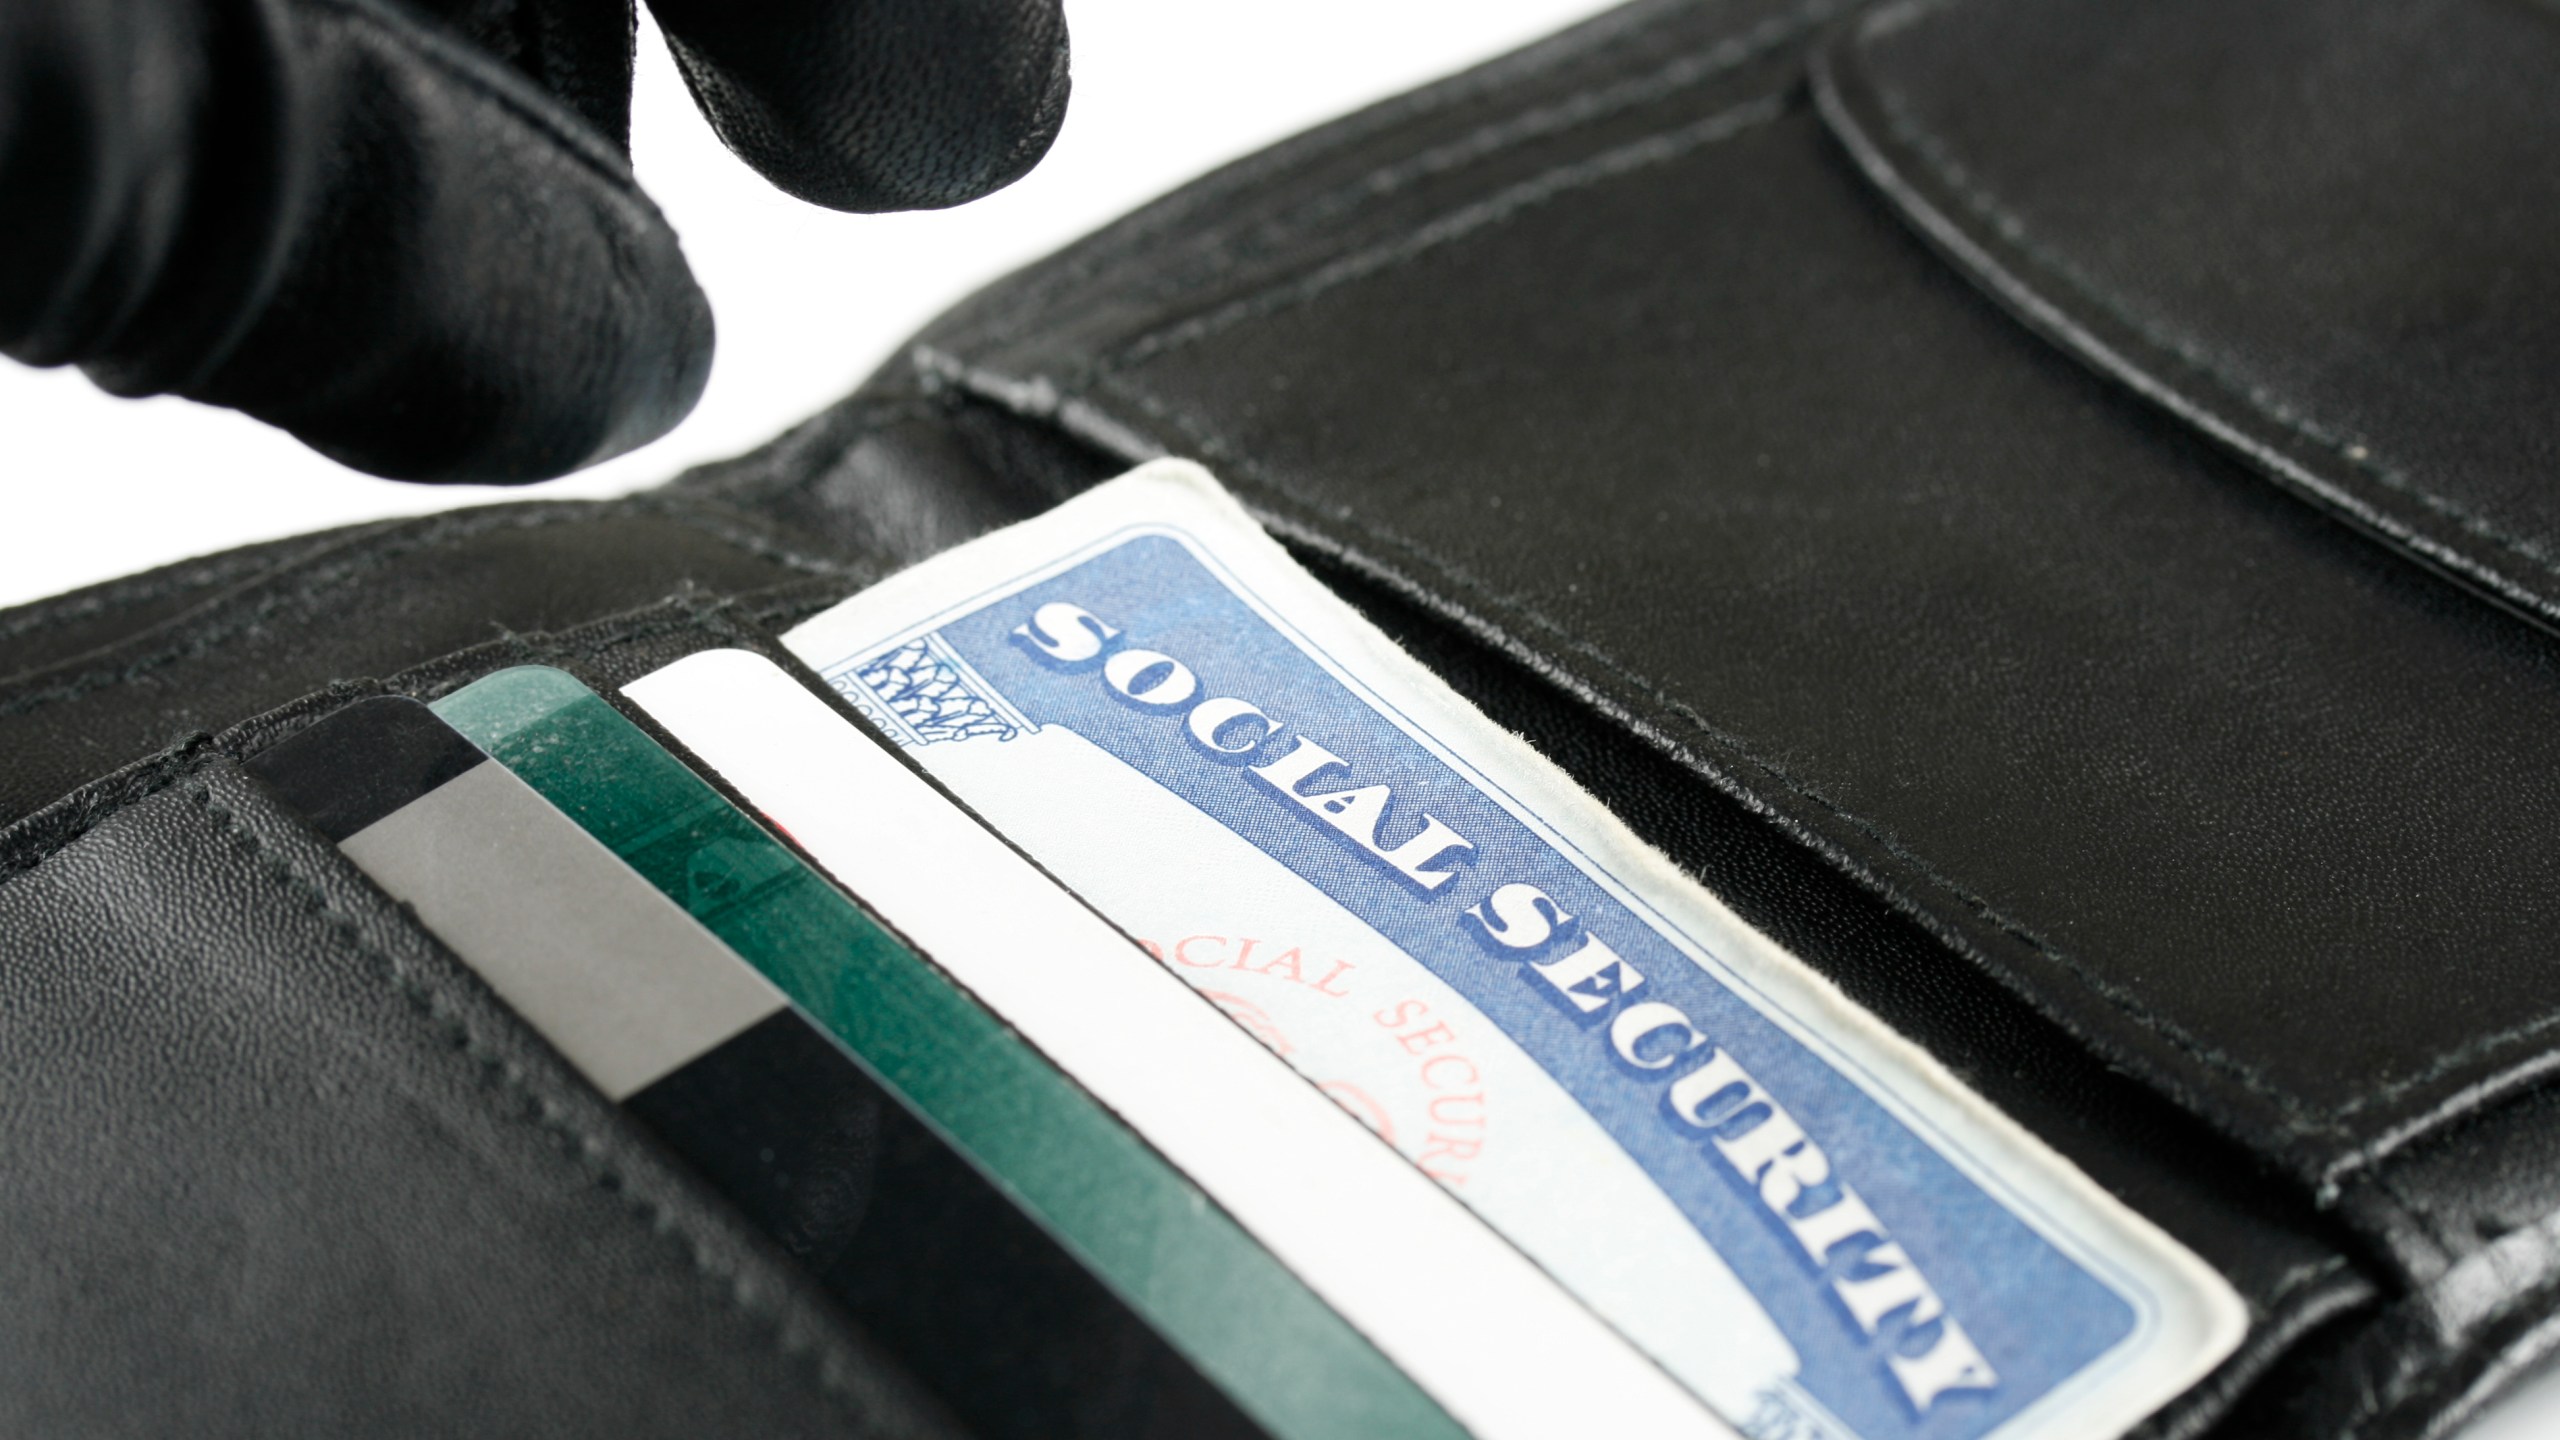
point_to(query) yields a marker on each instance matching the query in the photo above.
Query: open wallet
(2044, 511)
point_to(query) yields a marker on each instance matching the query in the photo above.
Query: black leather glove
(411, 237)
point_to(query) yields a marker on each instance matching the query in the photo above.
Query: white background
(808, 302)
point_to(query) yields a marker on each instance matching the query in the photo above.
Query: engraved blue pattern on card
(1871, 1251)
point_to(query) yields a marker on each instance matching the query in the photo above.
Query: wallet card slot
(368, 603)
(46, 632)
(285, 1163)
(1367, 178)
(979, 1313)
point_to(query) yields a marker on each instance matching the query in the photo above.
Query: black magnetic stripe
(361, 763)
(980, 1301)
(774, 1118)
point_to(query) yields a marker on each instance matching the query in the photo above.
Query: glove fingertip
(516, 411)
(892, 105)
(476, 290)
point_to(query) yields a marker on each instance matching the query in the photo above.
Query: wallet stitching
(1600, 100)
(2295, 1117)
(147, 777)
(1006, 320)
(2011, 229)
(315, 580)
(348, 566)
(2461, 1056)
(58, 611)
(1658, 148)
(150, 777)
(583, 1148)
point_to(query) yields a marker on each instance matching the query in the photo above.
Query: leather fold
(2318, 233)
(2314, 235)
(287, 1167)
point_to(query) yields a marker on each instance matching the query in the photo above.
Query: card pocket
(284, 1165)
(101, 677)
(270, 1097)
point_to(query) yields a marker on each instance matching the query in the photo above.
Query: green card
(1214, 1293)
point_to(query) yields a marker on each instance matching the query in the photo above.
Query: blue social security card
(1798, 1218)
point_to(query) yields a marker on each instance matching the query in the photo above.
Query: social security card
(1795, 1213)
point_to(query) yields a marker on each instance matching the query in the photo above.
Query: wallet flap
(2319, 232)
(1642, 385)
(284, 1166)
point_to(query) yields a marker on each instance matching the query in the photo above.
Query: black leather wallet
(2048, 509)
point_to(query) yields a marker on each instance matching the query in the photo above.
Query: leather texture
(1879, 452)
(286, 1167)
(878, 104)
(377, 600)
(410, 234)
(2358, 299)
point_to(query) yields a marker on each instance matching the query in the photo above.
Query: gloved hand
(410, 235)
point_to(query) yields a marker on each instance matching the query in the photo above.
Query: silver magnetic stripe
(616, 976)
